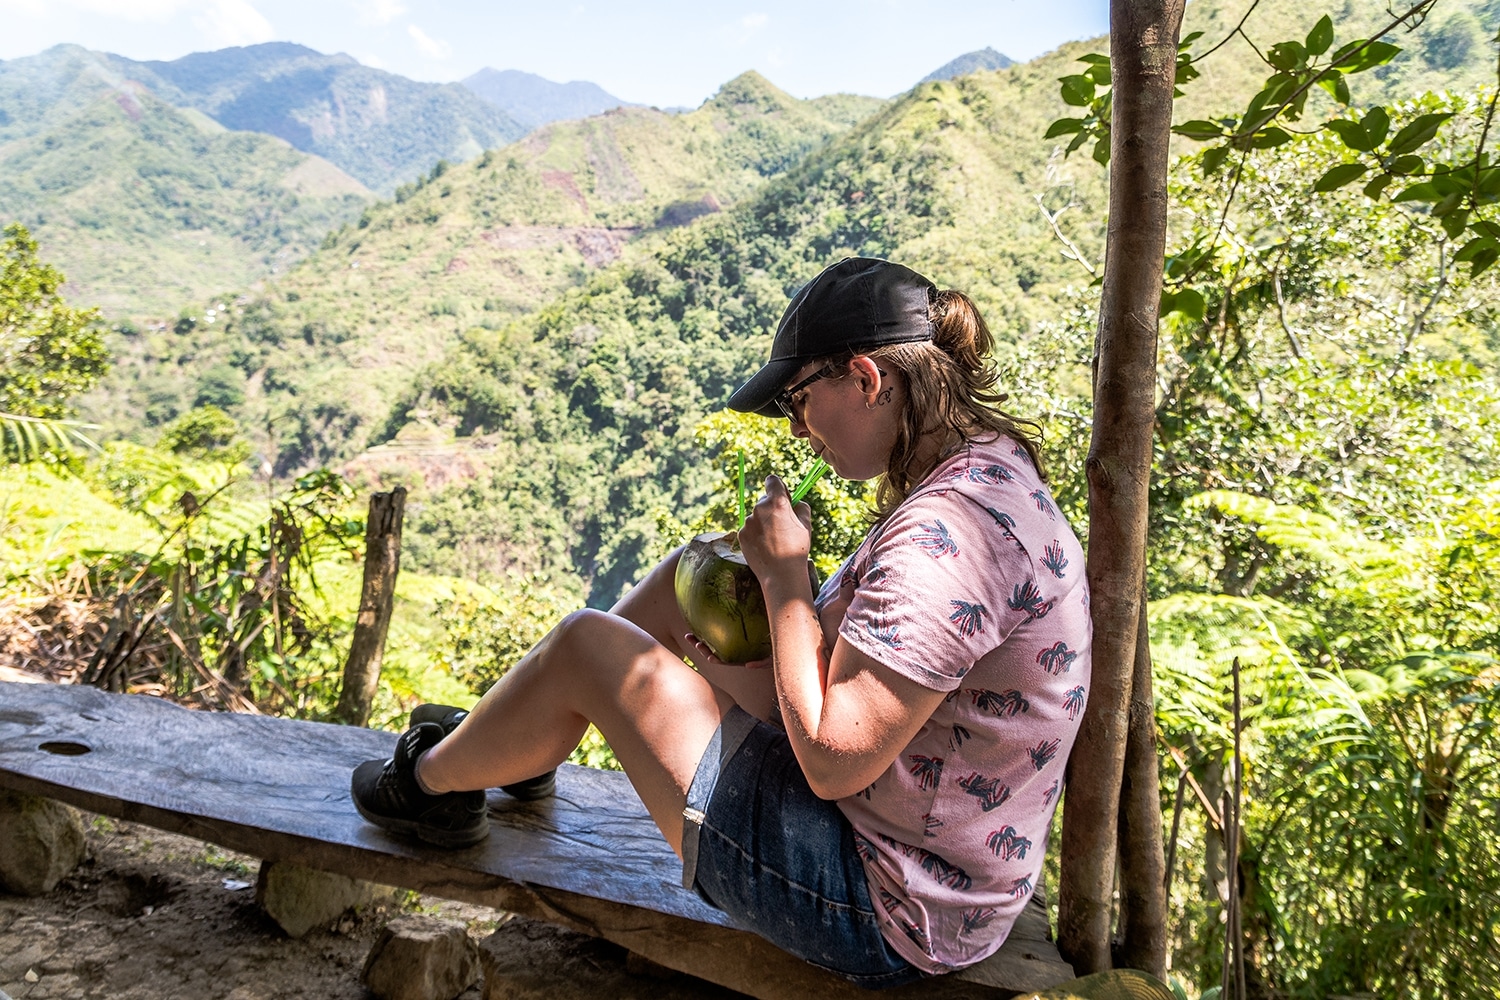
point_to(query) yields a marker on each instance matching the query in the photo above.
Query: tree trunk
(1143, 874)
(382, 563)
(1143, 57)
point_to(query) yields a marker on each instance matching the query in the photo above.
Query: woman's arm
(847, 716)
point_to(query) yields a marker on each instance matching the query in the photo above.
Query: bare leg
(652, 605)
(656, 712)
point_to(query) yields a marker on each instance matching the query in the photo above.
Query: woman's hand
(702, 654)
(777, 536)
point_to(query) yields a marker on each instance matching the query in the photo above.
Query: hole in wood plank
(65, 748)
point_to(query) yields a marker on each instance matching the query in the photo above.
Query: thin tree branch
(1291, 335)
(1074, 252)
(1437, 293)
(1197, 59)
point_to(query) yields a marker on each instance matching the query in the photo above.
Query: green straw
(813, 474)
(742, 488)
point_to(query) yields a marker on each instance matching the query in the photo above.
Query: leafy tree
(49, 351)
(207, 432)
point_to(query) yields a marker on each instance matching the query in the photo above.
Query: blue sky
(661, 52)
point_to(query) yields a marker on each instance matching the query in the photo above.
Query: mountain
(378, 127)
(146, 206)
(533, 100)
(970, 62)
(328, 346)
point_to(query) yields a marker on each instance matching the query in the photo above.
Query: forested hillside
(151, 205)
(327, 350)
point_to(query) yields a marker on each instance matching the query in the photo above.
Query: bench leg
(41, 842)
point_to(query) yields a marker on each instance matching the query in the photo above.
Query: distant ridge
(534, 100)
(970, 62)
(379, 127)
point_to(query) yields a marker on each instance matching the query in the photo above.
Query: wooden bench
(589, 859)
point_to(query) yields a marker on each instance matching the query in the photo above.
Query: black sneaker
(387, 794)
(449, 717)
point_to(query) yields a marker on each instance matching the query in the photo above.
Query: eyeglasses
(783, 399)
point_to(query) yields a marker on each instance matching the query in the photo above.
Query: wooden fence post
(1143, 59)
(382, 563)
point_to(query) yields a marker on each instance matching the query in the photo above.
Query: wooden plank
(590, 858)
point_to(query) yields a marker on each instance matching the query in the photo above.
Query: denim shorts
(759, 845)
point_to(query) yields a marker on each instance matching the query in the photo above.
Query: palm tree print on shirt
(968, 617)
(1026, 597)
(1051, 793)
(990, 793)
(1044, 503)
(992, 475)
(1073, 702)
(935, 539)
(930, 824)
(1020, 886)
(1043, 752)
(977, 918)
(1001, 704)
(1008, 844)
(944, 872)
(959, 735)
(927, 770)
(889, 635)
(1053, 559)
(1057, 658)
(1007, 523)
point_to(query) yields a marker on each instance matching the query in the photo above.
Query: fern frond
(26, 439)
(1298, 530)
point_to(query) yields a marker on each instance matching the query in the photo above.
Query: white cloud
(373, 61)
(233, 22)
(379, 11)
(753, 21)
(427, 45)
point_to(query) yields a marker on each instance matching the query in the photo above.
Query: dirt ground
(154, 915)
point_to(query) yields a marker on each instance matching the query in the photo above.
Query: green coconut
(721, 598)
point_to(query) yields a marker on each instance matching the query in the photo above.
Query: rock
(300, 898)
(421, 958)
(41, 841)
(529, 960)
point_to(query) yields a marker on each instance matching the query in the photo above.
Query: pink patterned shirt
(974, 586)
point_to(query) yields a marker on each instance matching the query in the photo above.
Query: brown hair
(951, 390)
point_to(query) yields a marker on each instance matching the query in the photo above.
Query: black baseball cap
(858, 303)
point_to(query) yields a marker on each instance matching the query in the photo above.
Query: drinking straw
(742, 487)
(813, 474)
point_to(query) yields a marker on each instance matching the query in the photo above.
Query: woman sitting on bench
(876, 797)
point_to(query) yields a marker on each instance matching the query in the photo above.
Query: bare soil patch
(150, 915)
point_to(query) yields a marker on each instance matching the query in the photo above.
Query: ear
(868, 377)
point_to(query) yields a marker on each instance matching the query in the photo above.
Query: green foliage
(1373, 752)
(230, 611)
(207, 432)
(487, 636)
(49, 351)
